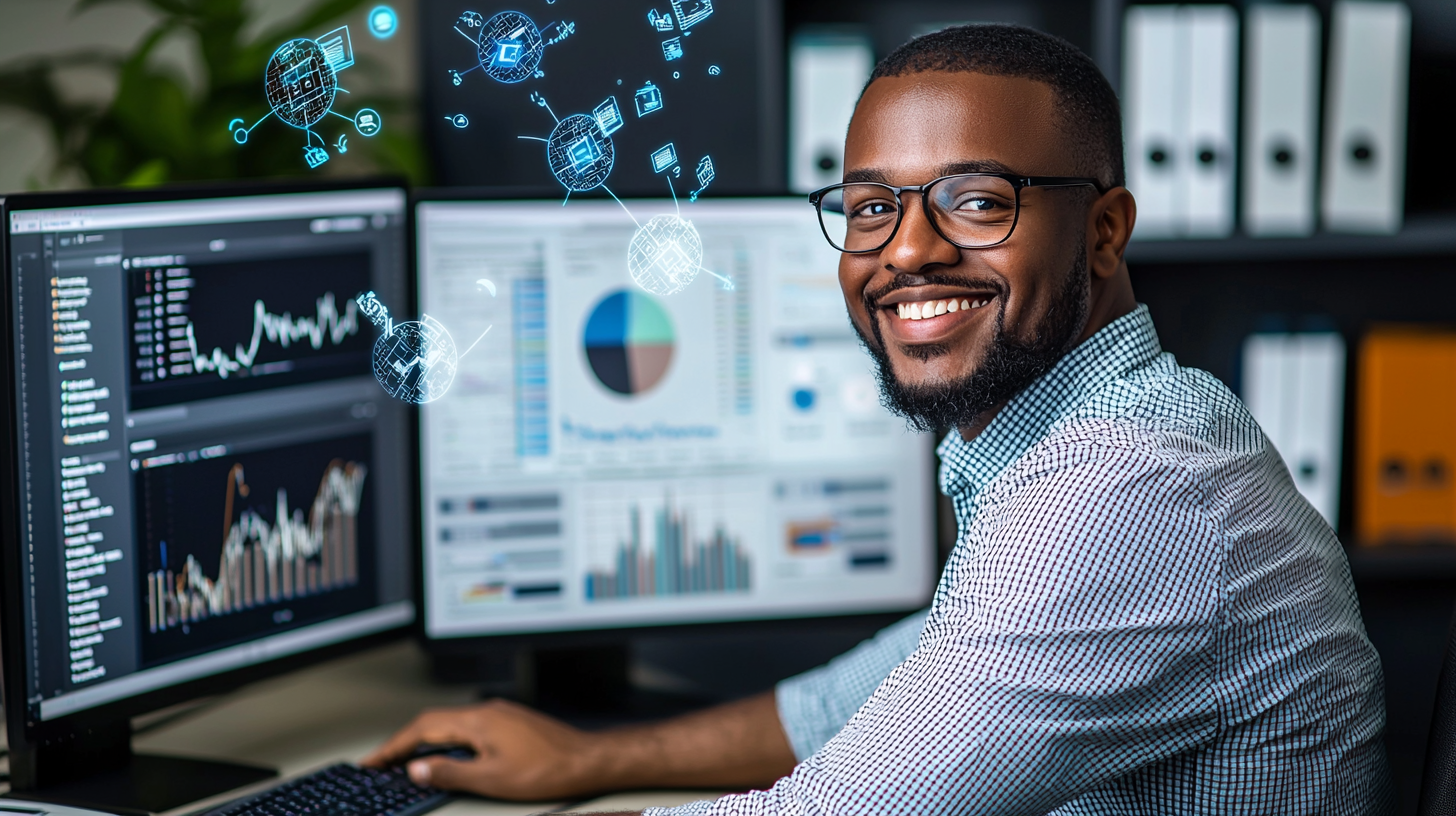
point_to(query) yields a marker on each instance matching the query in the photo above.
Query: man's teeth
(932, 308)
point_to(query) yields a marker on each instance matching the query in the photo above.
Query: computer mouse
(449, 750)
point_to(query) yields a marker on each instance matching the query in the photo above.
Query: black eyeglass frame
(1018, 182)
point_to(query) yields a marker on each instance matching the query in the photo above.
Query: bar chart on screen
(667, 540)
(286, 538)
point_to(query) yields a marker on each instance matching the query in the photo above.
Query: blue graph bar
(675, 565)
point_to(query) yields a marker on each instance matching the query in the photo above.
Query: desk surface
(339, 711)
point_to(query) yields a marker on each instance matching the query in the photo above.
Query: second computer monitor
(611, 456)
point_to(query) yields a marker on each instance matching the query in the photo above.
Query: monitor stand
(96, 769)
(589, 687)
(592, 688)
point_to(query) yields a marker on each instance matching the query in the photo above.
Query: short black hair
(1091, 115)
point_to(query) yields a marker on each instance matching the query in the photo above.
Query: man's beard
(1009, 367)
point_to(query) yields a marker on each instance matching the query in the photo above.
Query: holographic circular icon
(580, 156)
(665, 255)
(300, 83)
(510, 47)
(383, 22)
(368, 121)
(416, 361)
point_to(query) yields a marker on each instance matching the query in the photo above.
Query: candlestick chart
(238, 543)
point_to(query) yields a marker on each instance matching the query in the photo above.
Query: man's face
(1028, 295)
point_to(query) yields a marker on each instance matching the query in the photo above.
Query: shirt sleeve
(1071, 642)
(813, 706)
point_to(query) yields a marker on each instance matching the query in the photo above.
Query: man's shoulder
(1161, 433)
(1171, 413)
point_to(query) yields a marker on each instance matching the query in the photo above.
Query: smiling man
(1141, 615)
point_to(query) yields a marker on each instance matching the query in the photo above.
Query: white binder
(1281, 119)
(1319, 407)
(1294, 385)
(1153, 121)
(827, 71)
(1206, 169)
(1365, 117)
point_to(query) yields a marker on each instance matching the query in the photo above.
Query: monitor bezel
(550, 639)
(25, 732)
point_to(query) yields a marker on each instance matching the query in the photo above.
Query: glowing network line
(284, 329)
(416, 360)
(665, 253)
(301, 82)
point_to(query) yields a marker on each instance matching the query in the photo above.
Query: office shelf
(1430, 234)
(1403, 562)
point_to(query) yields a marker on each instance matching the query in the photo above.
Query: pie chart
(629, 342)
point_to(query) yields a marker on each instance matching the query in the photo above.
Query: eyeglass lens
(971, 211)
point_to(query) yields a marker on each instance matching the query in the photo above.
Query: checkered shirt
(1141, 616)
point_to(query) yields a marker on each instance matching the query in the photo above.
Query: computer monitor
(614, 459)
(202, 481)
(704, 77)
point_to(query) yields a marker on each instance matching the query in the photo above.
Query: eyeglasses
(972, 210)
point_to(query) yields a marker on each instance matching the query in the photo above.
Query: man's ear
(1109, 226)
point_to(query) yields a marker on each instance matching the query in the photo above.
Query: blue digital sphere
(580, 156)
(510, 47)
(299, 83)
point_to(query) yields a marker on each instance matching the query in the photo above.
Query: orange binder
(1406, 438)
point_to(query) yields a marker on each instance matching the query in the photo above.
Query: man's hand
(524, 755)
(519, 753)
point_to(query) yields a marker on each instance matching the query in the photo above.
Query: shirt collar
(1123, 345)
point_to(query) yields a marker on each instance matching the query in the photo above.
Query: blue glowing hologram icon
(672, 49)
(507, 54)
(580, 155)
(584, 152)
(338, 48)
(705, 174)
(509, 47)
(648, 99)
(691, 12)
(661, 22)
(608, 116)
(562, 32)
(665, 255)
(458, 120)
(301, 83)
(714, 70)
(383, 22)
(342, 145)
(413, 361)
(664, 157)
(368, 122)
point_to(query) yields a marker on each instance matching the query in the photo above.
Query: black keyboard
(339, 790)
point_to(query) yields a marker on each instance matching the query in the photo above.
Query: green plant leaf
(155, 130)
(150, 174)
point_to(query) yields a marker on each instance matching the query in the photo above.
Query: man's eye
(872, 209)
(978, 204)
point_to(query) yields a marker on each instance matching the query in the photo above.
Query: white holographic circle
(665, 255)
(300, 83)
(521, 40)
(580, 156)
(417, 361)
